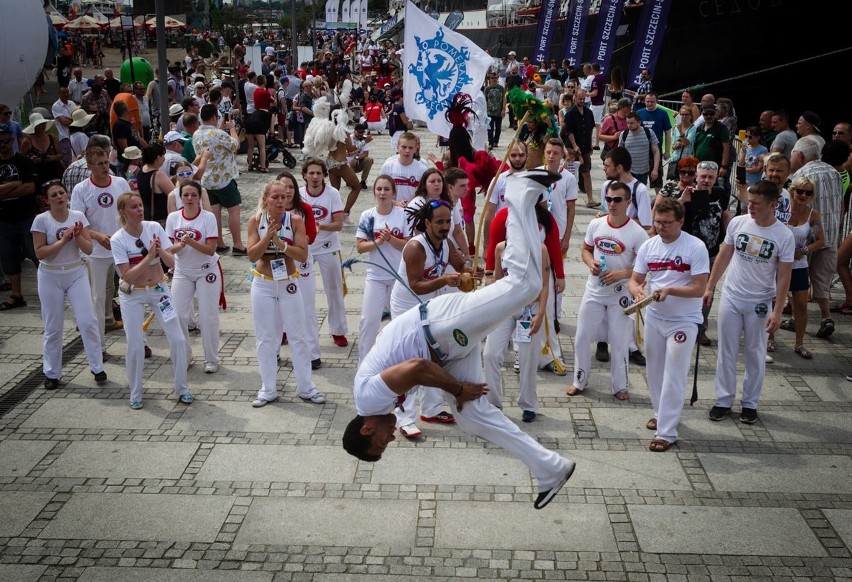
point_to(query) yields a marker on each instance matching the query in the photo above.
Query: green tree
(231, 22)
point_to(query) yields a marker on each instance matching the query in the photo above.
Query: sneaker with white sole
(547, 496)
(210, 368)
(261, 402)
(314, 396)
(517, 365)
(410, 431)
(769, 359)
(186, 398)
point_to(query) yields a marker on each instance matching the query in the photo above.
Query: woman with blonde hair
(806, 225)
(277, 243)
(138, 247)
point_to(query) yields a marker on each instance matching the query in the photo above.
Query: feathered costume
(323, 133)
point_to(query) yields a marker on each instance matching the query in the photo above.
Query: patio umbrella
(83, 23)
(58, 20)
(170, 23)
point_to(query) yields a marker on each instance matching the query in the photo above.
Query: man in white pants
(759, 249)
(676, 265)
(438, 344)
(96, 198)
(328, 212)
(613, 239)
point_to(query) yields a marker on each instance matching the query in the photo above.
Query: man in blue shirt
(658, 121)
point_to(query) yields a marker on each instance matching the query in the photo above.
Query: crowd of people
(106, 208)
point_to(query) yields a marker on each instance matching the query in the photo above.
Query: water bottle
(131, 180)
(603, 268)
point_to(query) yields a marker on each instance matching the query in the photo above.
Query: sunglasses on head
(437, 203)
(803, 191)
(141, 245)
(616, 199)
(687, 172)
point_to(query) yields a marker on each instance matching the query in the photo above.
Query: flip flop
(651, 424)
(659, 446)
(593, 204)
(622, 395)
(13, 302)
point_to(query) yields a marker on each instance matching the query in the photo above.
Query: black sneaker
(528, 416)
(51, 383)
(602, 352)
(100, 377)
(316, 364)
(556, 327)
(748, 416)
(637, 358)
(718, 413)
(364, 185)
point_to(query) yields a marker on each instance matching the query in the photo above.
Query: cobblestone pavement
(219, 491)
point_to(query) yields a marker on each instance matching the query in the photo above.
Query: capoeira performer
(674, 266)
(328, 212)
(612, 240)
(59, 236)
(194, 233)
(277, 243)
(384, 225)
(438, 343)
(137, 248)
(423, 270)
(523, 328)
(759, 248)
(96, 198)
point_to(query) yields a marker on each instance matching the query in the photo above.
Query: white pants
(308, 292)
(528, 354)
(207, 286)
(101, 281)
(53, 287)
(275, 304)
(668, 347)
(332, 282)
(597, 311)
(133, 314)
(376, 297)
(378, 126)
(734, 319)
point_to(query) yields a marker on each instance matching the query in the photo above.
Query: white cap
(173, 136)
(200, 85)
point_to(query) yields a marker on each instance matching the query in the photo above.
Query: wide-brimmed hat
(80, 118)
(37, 119)
(132, 153)
(176, 109)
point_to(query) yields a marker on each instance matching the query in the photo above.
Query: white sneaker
(261, 402)
(517, 365)
(770, 359)
(210, 368)
(314, 396)
(410, 431)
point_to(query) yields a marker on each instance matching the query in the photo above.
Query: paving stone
(629, 423)
(451, 467)
(841, 521)
(100, 574)
(317, 522)
(751, 531)
(99, 413)
(21, 573)
(277, 417)
(121, 460)
(279, 463)
(18, 509)
(802, 426)
(782, 473)
(17, 458)
(626, 470)
(124, 516)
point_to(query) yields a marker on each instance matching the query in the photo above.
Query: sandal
(13, 302)
(659, 446)
(771, 345)
(622, 395)
(651, 424)
(788, 325)
(826, 328)
(593, 204)
(573, 391)
(843, 308)
(803, 352)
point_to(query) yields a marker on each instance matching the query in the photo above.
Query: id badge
(522, 331)
(167, 310)
(279, 269)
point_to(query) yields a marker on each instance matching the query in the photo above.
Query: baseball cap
(387, 85)
(309, 79)
(173, 136)
(624, 102)
(513, 54)
(710, 107)
(243, 70)
(200, 85)
(812, 118)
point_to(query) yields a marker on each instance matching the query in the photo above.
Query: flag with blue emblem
(437, 64)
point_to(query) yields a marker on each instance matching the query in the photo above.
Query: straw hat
(80, 118)
(37, 119)
(132, 153)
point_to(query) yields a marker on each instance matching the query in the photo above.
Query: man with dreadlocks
(439, 343)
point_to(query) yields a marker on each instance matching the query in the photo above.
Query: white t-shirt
(435, 266)
(98, 204)
(203, 228)
(558, 195)
(498, 194)
(250, 88)
(53, 230)
(125, 250)
(784, 210)
(325, 205)
(642, 208)
(619, 245)
(757, 252)
(406, 178)
(674, 265)
(370, 225)
(401, 340)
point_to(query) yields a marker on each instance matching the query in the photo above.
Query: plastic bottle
(603, 268)
(131, 180)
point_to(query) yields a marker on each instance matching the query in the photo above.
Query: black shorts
(799, 280)
(257, 123)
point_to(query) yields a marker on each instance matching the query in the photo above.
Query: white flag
(344, 11)
(355, 11)
(362, 23)
(331, 11)
(437, 64)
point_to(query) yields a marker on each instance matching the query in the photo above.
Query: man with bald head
(767, 134)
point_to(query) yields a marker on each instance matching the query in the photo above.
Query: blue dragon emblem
(440, 71)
